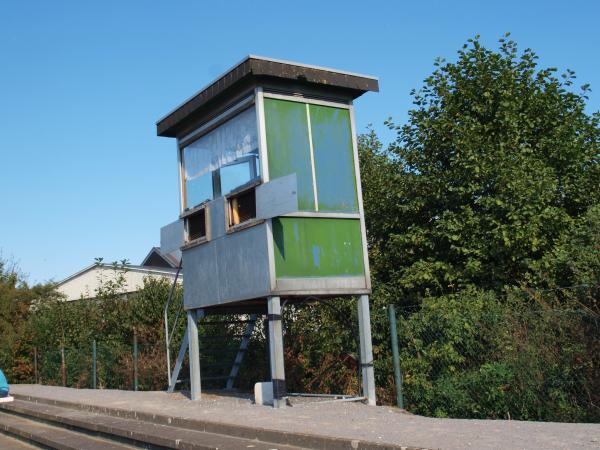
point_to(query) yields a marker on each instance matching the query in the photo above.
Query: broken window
(242, 207)
(196, 225)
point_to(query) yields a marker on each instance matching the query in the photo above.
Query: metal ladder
(172, 376)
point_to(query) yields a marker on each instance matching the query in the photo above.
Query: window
(241, 207)
(195, 225)
(221, 160)
(239, 172)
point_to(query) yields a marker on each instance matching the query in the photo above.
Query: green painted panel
(317, 247)
(334, 158)
(288, 146)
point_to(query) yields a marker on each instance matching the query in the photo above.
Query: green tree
(497, 161)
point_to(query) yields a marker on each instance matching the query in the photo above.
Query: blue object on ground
(3, 385)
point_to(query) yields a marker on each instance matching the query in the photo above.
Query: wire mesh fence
(531, 365)
(463, 360)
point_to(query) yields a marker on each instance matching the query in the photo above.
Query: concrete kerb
(245, 432)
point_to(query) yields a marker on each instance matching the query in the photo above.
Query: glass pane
(238, 173)
(334, 158)
(199, 190)
(233, 140)
(288, 146)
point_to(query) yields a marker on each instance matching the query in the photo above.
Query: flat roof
(261, 67)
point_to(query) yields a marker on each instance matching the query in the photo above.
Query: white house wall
(86, 283)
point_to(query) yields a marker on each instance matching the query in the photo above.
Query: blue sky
(82, 173)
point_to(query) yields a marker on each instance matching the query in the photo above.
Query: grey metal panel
(244, 264)
(201, 281)
(171, 239)
(322, 285)
(366, 350)
(217, 218)
(277, 197)
(230, 268)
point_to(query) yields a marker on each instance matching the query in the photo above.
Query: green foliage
(474, 355)
(483, 228)
(16, 300)
(111, 317)
(497, 160)
(574, 262)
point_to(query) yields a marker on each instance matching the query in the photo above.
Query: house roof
(129, 268)
(261, 69)
(156, 258)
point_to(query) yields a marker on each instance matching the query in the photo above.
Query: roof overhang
(255, 71)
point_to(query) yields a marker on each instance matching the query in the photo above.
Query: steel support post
(94, 365)
(35, 365)
(276, 352)
(135, 361)
(366, 350)
(396, 356)
(194, 354)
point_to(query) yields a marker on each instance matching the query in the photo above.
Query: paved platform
(9, 443)
(383, 425)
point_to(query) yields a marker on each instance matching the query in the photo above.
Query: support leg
(194, 353)
(182, 351)
(366, 350)
(276, 352)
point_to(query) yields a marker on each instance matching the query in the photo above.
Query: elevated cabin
(270, 184)
(270, 201)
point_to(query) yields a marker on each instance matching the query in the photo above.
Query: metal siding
(334, 161)
(244, 264)
(277, 197)
(317, 247)
(201, 280)
(227, 269)
(171, 238)
(321, 285)
(288, 146)
(217, 218)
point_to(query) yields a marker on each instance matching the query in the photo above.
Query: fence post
(94, 365)
(135, 361)
(35, 364)
(396, 356)
(63, 367)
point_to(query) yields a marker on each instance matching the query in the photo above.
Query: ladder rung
(220, 337)
(222, 377)
(225, 364)
(219, 351)
(227, 322)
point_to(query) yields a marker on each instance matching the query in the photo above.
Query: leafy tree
(497, 161)
(482, 222)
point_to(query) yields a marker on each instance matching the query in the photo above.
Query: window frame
(185, 216)
(250, 186)
(249, 101)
